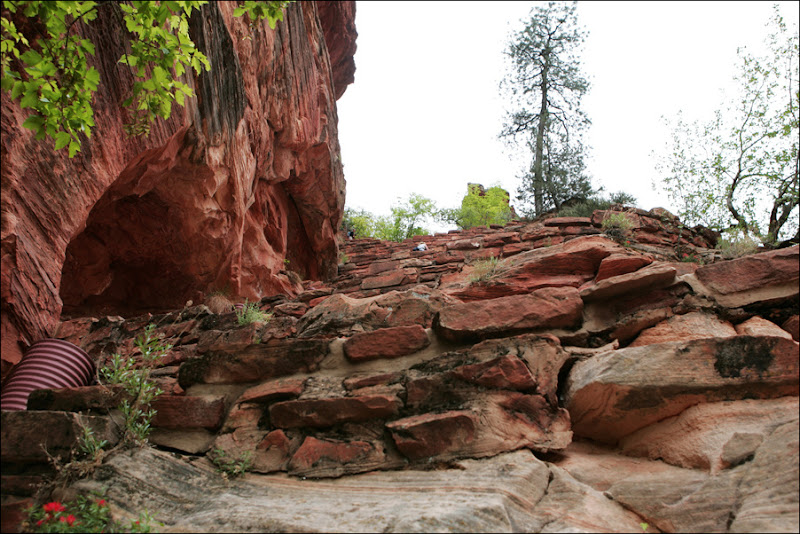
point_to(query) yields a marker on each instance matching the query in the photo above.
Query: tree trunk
(538, 182)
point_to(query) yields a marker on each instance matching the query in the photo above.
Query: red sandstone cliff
(246, 176)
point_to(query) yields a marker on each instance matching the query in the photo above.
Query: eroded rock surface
(219, 195)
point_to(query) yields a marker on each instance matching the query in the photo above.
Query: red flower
(39, 522)
(69, 520)
(54, 506)
(101, 502)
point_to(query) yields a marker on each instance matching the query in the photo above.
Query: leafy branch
(47, 70)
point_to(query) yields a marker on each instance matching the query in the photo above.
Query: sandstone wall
(246, 176)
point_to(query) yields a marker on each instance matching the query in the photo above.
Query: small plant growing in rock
(616, 226)
(250, 313)
(137, 413)
(232, 467)
(89, 445)
(484, 270)
(737, 246)
(85, 514)
(343, 258)
(691, 258)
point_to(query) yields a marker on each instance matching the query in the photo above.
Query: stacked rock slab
(602, 382)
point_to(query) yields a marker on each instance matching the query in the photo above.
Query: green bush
(142, 391)
(232, 467)
(737, 246)
(484, 270)
(250, 313)
(616, 225)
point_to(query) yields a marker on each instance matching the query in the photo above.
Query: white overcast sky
(424, 111)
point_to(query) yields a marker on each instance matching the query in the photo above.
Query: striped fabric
(48, 364)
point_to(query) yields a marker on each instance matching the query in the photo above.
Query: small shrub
(484, 270)
(89, 445)
(137, 413)
(250, 313)
(737, 246)
(687, 257)
(83, 515)
(230, 466)
(584, 208)
(343, 258)
(616, 225)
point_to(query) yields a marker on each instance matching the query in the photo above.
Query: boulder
(693, 325)
(619, 392)
(765, 277)
(758, 326)
(712, 436)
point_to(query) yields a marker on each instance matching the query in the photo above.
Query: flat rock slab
(328, 412)
(650, 277)
(551, 307)
(279, 357)
(506, 493)
(613, 394)
(693, 325)
(386, 343)
(21, 435)
(765, 277)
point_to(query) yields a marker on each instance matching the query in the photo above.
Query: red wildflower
(54, 506)
(101, 502)
(39, 522)
(69, 520)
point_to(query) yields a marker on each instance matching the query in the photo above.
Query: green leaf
(34, 122)
(73, 148)
(92, 79)
(87, 46)
(30, 99)
(19, 87)
(62, 140)
(31, 57)
(159, 75)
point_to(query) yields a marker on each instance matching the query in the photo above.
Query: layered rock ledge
(584, 384)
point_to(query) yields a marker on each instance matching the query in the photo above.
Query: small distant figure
(351, 234)
(420, 246)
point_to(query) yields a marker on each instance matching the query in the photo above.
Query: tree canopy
(480, 207)
(44, 61)
(404, 222)
(738, 172)
(545, 86)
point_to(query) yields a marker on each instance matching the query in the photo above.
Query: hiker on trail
(351, 234)
(421, 246)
